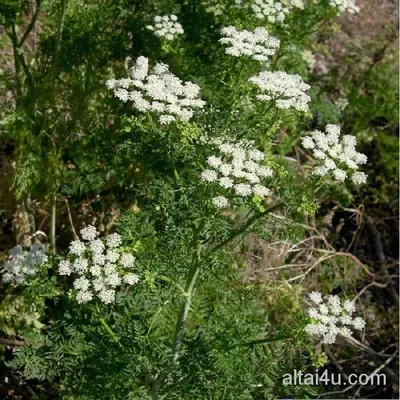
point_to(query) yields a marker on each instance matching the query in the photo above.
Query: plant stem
(110, 332)
(183, 313)
(53, 225)
(32, 23)
(243, 228)
(190, 282)
(31, 216)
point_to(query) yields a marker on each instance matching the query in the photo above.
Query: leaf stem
(190, 282)
(243, 228)
(110, 332)
(53, 224)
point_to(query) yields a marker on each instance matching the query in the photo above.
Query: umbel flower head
(288, 91)
(294, 3)
(337, 155)
(98, 266)
(23, 262)
(258, 45)
(271, 10)
(158, 91)
(166, 26)
(345, 6)
(330, 318)
(237, 170)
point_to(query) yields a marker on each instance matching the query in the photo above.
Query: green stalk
(53, 224)
(110, 332)
(243, 228)
(190, 282)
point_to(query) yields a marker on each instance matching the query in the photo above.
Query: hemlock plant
(159, 309)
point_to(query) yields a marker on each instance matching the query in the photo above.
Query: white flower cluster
(258, 45)
(345, 6)
(23, 262)
(214, 7)
(166, 26)
(309, 58)
(158, 91)
(331, 318)
(289, 91)
(336, 154)
(294, 3)
(99, 267)
(273, 11)
(239, 169)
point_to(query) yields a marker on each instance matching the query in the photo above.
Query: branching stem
(110, 332)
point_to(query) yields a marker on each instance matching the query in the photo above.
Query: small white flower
(240, 169)
(81, 284)
(256, 155)
(107, 296)
(260, 190)
(288, 91)
(258, 44)
(339, 174)
(226, 182)
(358, 323)
(209, 175)
(110, 269)
(345, 332)
(334, 305)
(315, 297)
(338, 154)
(83, 297)
(8, 277)
(113, 280)
(166, 26)
(320, 171)
(332, 318)
(131, 279)
(77, 247)
(64, 267)
(264, 172)
(323, 309)
(127, 260)
(98, 258)
(98, 284)
(271, 10)
(309, 58)
(225, 169)
(359, 177)
(313, 313)
(345, 6)
(112, 256)
(89, 233)
(349, 306)
(243, 189)
(158, 91)
(214, 162)
(80, 265)
(220, 202)
(100, 271)
(166, 119)
(346, 320)
(114, 240)
(23, 262)
(95, 270)
(96, 246)
(307, 142)
(330, 164)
